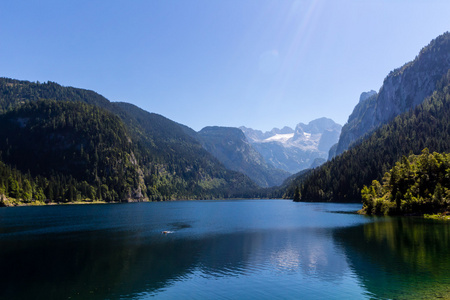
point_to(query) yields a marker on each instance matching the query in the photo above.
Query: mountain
(86, 145)
(296, 149)
(341, 179)
(257, 135)
(317, 163)
(402, 90)
(182, 142)
(166, 162)
(362, 99)
(230, 146)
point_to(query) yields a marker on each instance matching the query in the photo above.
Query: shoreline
(443, 216)
(11, 202)
(41, 203)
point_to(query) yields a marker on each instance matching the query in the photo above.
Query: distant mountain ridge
(230, 146)
(403, 89)
(296, 149)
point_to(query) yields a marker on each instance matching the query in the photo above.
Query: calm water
(253, 249)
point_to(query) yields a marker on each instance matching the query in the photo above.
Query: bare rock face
(402, 90)
(296, 149)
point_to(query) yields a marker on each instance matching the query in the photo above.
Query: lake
(241, 249)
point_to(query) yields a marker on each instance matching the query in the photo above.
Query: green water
(249, 249)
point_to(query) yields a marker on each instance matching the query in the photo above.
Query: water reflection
(89, 265)
(286, 260)
(306, 251)
(400, 258)
(231, 250)
(310, 252)
(101, 265)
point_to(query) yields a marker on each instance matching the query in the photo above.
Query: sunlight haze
(259, 63)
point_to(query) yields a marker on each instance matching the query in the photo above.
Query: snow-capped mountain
(230, 146)
(296, 149)
(282, 138)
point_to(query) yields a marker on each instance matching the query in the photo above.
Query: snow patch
(280, 138)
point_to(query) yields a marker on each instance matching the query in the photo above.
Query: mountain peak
(284, 130)
(366, 95)
(236, 133)
(295, 150)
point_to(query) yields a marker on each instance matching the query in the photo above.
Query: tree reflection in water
(400, 258)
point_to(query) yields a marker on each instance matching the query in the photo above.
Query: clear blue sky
(257, 63)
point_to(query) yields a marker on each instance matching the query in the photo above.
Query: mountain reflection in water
(116, 265)
(219, 249)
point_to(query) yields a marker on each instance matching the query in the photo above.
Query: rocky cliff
(402, 90)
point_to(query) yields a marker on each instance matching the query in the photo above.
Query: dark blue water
(250, 249)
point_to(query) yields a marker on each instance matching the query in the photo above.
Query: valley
(58, 147)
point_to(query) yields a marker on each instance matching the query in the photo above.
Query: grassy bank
(12, 202)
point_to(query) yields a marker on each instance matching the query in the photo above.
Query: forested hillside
(341, 180)
(14, 91)
(84, 142)
(70, 151)
(167, 143)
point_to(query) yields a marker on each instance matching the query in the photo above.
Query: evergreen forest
(418, 183)
(62, 144)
